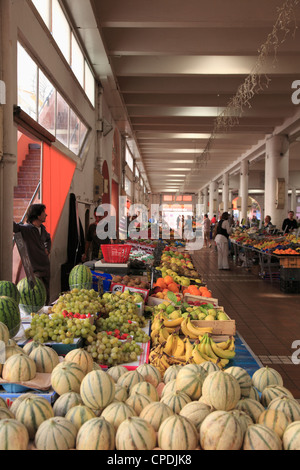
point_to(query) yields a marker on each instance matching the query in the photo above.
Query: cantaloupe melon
(56, 433)
(135, 433)
(177, 433)
(220, 430)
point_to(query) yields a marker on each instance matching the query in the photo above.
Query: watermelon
(9, 289)
(80, 277)
(32, 300)
(10, 314)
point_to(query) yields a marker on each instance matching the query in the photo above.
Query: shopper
(206, 231)
(38, 243)
(289, 224)
(188, 228)
(222, 237)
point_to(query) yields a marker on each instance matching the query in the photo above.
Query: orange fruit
(161, 283)
(173, 287)
(168, 280)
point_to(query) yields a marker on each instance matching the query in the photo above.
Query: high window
(58, 24)
(38, 97)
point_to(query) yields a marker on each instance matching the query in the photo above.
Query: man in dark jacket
(38, 242)
(289, 224)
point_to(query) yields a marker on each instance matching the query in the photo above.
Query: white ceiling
(169, 68)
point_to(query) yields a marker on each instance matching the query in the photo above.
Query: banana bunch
(159, 334)
(207, 349)
(191, 331)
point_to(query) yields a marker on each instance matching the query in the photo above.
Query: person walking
(206, 231)
(223, 232)
(188, 228)
(38, 243)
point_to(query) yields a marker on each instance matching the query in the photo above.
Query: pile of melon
(191, 407)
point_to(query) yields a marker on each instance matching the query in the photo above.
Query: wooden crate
(152, 301)
(221, 328)
(198, 298)
(290, 261)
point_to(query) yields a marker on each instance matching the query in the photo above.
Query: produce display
(188, 395)
(196, 408)
(259, 240)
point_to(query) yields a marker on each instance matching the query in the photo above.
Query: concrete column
(225, 191)
(244, 174)
(205, 200)
(276, 166)
(293, 204)
(8, 161)
(213, 199)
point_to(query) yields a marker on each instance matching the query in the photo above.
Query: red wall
(57, 175)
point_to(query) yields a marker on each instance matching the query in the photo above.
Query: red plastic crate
(116, 253)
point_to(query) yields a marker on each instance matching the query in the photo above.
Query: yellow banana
(174, 344)
(231, 347)
(173, 323)
(224, 344)
(223, 354)
(169, 344)
(180, 347)
(197, 356)
(163, 361)
(201, 346)
(163, 334)
(209, 350)
(170, 330)
(197, 331)
(223, 362)
(185, 330)
(175, 360)
(188, 348)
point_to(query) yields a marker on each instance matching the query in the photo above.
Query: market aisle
(267, 319)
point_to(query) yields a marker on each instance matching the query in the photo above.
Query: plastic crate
(116, 253)
(290, 274)
(104, 277)
(290, 280)
(290, 287)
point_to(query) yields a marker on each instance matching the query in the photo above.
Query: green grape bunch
(60, 329)
(82, 301)
(108, 350)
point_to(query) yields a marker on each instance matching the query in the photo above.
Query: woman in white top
(223, 232)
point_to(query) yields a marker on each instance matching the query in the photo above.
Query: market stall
(130, 350)
(277, 256)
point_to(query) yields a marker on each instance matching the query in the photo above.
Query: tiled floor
(266, 318)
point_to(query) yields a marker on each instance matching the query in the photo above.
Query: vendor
(289, 224)
(92, 241)
(267, 222)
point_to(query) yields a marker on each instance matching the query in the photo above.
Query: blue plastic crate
(105, 277)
